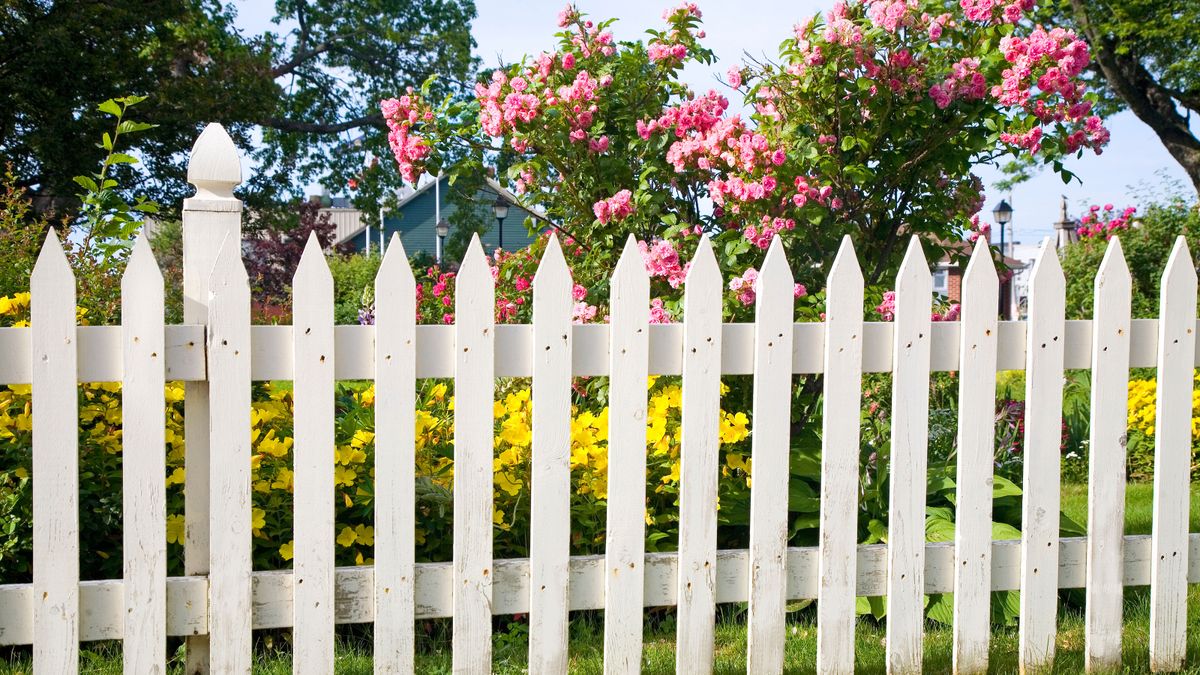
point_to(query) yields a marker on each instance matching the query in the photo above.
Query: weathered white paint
(910, 445)
(625, 543)
(770, 454)
(55, 412)
(1043, 436)
(143, 464)
(211, 216)
(1172, 461)
(474, 307)
(1106, 454)
(395, 462)
(313, 453)
(550, 500)
(229, 432)
(699, 461)
(978, 342)
(839, 462)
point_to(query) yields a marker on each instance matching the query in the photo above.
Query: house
(417, 213)
(948, 275)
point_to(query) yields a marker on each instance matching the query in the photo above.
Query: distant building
(1066, 230)
(948, 275)
(415, 218)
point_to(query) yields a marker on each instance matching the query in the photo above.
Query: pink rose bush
(867, 124)
(1105, 222)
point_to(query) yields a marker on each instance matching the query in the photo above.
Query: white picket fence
(217, 352)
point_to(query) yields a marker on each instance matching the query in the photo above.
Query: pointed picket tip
(313, 266)
(1113, 271)
(914, 266)
(1046, 270)
(215, 167)
(51, 261)
(394, 267)
(553, 266)
(1179, 269)
(981, 267)
(142, 266)
(845, 266)
(704, 263)
(630, 265)
(474, 264)
(774, 267)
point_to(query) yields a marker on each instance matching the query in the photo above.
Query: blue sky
(1134, 163)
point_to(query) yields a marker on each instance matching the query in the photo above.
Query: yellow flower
(505, 482)
(365, 535)
(287, 550)
(258, 520)
(284, 479)
(733, 427)
(21, 472)
(437, 392)
(176, 477)
(344, 476)
(515, 430)
(175, 529)
(367, 397)
(347, 537)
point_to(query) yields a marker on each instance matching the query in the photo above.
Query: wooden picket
(313, 544)
(1172, 461)
(774, 310)
(1043, 438)
(625, 544)
(698, 456)
(550, 493)
(229, 581)
(839, 462)
(910, 444)
(474, 307)
(395, 480)
(55, 463)
(218, 354)
(1106, 454)
(143, 463)
(978, 341)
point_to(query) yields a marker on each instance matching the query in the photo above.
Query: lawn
(509, 647)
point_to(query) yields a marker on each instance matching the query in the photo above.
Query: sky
(1134, 164)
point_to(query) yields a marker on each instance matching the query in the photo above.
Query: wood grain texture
(699, 462)
(1043, 438)
(209, 218)
(1172, 461)
(550, 501)
(839, 463)
(143, 464)
(910, 445)
(474, 383)
(625, 544)
(395, 463)
(978, 344)
(229, 432)
(1106, 454)
(313, 456)
(55, 411)
(770, 452)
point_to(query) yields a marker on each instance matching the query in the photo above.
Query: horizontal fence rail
(99, 350)
(101, 602)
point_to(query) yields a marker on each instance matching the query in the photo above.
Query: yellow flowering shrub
(1143, 412)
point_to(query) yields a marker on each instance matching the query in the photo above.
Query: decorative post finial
(215, 167)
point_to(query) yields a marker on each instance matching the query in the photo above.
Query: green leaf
(941, 608)
(939, 529)
(130, 127)
(107, 142)
(848, 142)
(1003, 531)
(111, 107)
(86, 183)
(122, 158)
(1003, 487)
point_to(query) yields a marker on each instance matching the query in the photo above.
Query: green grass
(586, 647)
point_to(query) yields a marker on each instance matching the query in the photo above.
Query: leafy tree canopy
(305, 92)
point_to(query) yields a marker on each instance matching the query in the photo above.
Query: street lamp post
(442, 229)
(500, 208)
(1003, 215)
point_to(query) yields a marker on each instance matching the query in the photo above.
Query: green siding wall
(417, 220)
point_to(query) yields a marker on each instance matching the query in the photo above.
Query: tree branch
(372, 120)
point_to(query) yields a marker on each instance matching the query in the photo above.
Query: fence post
(209, 216)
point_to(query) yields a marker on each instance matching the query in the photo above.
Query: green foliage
(353, 285)
(306, 83)
(1147, 245)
